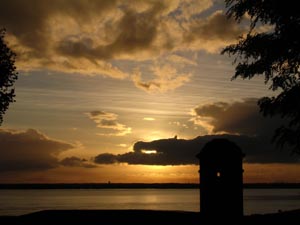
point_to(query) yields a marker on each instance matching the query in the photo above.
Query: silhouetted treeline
(135, 185)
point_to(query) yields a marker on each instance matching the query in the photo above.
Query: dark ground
(140, 217)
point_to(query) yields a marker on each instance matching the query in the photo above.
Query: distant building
(221, 180)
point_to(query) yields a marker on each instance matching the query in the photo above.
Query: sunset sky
(108, 89)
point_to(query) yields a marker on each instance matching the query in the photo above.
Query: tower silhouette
(221, 180)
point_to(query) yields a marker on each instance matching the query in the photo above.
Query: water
(18, 202)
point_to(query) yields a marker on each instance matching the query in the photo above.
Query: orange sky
(253, 173)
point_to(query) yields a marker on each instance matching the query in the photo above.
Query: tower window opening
(218, 174)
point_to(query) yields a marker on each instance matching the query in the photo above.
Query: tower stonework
(221, 180)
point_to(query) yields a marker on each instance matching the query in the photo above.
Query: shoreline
(137, 186)
(145, 217)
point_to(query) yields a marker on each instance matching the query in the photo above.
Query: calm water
(18, 202)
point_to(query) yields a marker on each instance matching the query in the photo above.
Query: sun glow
(148, 118)
(149, 151)
(155, 135)
(158, 170)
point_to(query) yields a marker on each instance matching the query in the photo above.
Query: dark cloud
(28, 20)
(76, 162)
(216, 27)
(29, 150)
(182, 152)
(238, 117)
(97, 113)
(106, 158)
(82, 36)
(136, 32)
(248, 128)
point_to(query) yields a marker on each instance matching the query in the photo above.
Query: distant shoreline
(138, 186)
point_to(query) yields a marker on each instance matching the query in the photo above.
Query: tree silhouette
(273, 52)
(8, 75)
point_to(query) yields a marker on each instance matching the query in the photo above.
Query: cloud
(73, 35)
(109, 122)
(76, 162)
(166, 79)
(77, 36)
(135, 31)
(179, 124)
(212, 33)
(29, 150)
(183, 152)
(43, 25)
(181, 60)
(239, 122)
(242, 123)
(34, 27)
(242, 117)
(189, 8)
(106, 158)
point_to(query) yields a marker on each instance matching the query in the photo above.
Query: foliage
(271, 49)
(8, 75)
